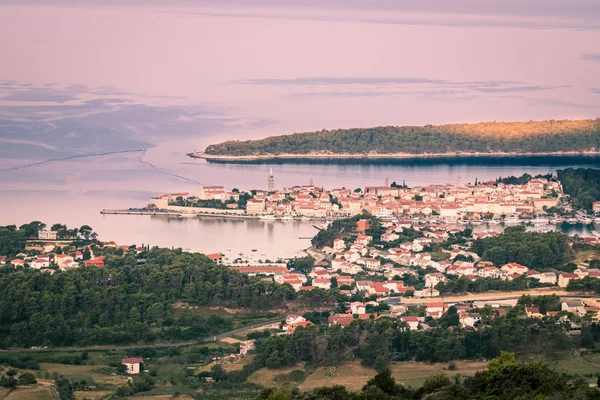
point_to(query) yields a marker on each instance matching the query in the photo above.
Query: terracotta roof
(133, 360)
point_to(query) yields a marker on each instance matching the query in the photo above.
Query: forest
(505, 378)
(583, 185)
(486, 137)
(378, 342)
(125, 302)
(535, 250)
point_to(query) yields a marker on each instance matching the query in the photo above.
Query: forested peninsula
(485, 138)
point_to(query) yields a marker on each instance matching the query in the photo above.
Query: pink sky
(222, 57)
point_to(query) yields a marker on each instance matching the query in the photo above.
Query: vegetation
(377, 342)
(345, 227)
(485, 137)
(522, 180)
(504, 378)
(481, 285)
(583, 185)
(539, 251)
(126, 302)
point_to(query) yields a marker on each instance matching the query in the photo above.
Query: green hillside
(485, 137)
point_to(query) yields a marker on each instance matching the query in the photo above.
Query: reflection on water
(79, 201)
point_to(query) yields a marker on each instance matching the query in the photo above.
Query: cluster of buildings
(449, 202)
(46, 257)
(419, 317)
(354, 265)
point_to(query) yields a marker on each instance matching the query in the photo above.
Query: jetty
(130, 212)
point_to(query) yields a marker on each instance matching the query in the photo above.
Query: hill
(502, 138)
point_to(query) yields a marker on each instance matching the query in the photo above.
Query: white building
(132, 365)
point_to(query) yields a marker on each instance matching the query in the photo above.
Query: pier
(128, 212)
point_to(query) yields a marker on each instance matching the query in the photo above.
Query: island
(552, 137)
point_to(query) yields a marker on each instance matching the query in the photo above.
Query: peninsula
(553, 137)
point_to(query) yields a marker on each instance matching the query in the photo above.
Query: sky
(83, 82)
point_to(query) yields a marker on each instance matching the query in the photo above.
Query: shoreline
(195, 215)
(378, 156)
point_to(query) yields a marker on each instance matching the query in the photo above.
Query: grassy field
(233, 364)
(95, 395)
(35, 393)
(413, 374)
(83, 372)
(271, 377)
(354, 376)
(350, 374)
(582, 365)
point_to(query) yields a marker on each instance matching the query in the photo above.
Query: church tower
(271, 181)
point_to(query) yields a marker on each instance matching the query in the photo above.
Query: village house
(95, 262)
(322, 283)
(514, 269)
(17, 262)
(565, 278)
(338, 245)
(411, 321)
(47, 234)
(132, 365)
(340, 319)
(429, 292)
(432, 280)
(217, 258)
(358, 308)
(292, 327)
(370, 263)
(533, 312)
(574, 306)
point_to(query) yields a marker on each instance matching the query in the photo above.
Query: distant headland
(502, 139)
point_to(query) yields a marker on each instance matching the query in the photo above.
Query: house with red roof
(340, 319)
(292, 327)
(95, 262)
(132, 364)
(412, 321)
(322, 283)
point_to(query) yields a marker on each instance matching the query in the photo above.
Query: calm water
(74, 191)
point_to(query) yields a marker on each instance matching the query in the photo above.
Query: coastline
(381, 156)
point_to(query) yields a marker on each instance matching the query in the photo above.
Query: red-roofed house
(340, 319)
(412, 321)
(323, 283)
(216, 257)
(17, 262)
(132, 365)
(95, 262)
(292, 327)
(564, 279)
(533, 312)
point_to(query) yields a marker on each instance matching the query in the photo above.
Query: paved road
(498, 296)
(149, 346)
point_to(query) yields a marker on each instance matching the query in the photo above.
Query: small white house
(132, 364)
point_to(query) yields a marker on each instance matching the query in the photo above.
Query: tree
(384, 381)
(218, 373)
(505, 358)
(27, 378)
(303, 264)
(381, 364)
(86, 232)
